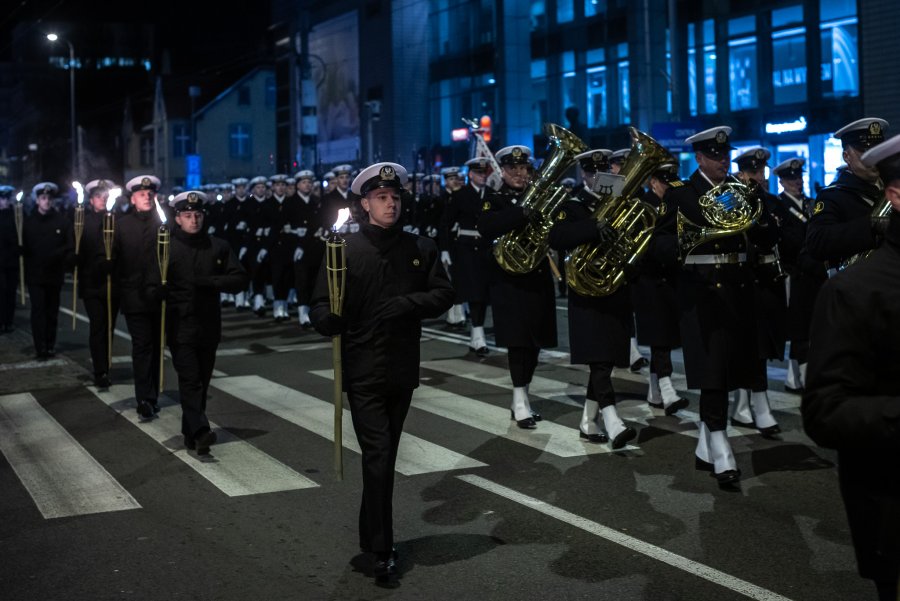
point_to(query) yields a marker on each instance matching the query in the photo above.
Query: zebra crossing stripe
(62, 478)
(549, 437)
(235, 467)
(415, 455)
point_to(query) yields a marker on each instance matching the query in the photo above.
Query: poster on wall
(334, 49)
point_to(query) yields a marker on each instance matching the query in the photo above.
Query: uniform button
(717, 246)
(718, 266)
(718, 284)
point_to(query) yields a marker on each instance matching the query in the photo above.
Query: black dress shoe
(656, 405)
(793, 390)
(189, 443)
(41, 356)
(526, 424)
(534, 415)
(639, 364)
(740, 424)
(102, 381)
(204, 440)
(481, 351)
(384, 569)
(677, 406)
(770, 432)
(594, 438)
(51, 352)
(727, 477)
(145, 410)
(703, 466)
(624, 436)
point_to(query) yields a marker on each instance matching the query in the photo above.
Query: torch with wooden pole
(18, 215)
(79, 229)
(162, 257)
(336, 274)
(109, 232)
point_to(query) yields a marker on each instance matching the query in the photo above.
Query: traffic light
(485, 125)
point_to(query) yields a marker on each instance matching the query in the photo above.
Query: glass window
(565, 11)
(789, 65)
(742, 73)
(692, 70)
(624, 93)
(538, 15)
(741, 26)
(538, 68)
(840, 58)
(787, 16)
(538, 94)
(596, 96)
(833, 157)
(595, 56)
(668, 72)
(709, 80)
(569, 81)
(594, 7)
(181, 140)
(836, 9)
(239, 140)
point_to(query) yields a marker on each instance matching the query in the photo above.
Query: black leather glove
(331, 325)
(606, 231)
(533, 216)
(880, 224)
(393, 308)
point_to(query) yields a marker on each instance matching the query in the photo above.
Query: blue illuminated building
(784, 74)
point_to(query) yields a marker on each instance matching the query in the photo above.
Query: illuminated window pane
(596, 96)
(624, 94)
(565, 11)
(836, 9)
(709, 80)
(787, 16)
(742, 73)
(840, 58)
(594, 7)
(789, 67)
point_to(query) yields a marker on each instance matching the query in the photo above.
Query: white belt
(727, 258)
(765, 259)
(472, 233)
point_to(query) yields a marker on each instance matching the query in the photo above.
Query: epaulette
(677, 183)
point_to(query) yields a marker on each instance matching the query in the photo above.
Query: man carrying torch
(394, 279)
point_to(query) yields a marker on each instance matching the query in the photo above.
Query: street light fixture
(76, 164)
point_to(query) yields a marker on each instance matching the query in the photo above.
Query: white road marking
(235, 467)
(629, 542)
(33, 364)
(555, 439)
(415, 456)
(62, 478)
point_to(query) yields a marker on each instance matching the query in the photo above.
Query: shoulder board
(677, 183)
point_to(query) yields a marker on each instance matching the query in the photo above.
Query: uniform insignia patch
(875, 128)
(677, 183)
(192, 197)
(517, 152)
(561, 215)
(795, 164)
(145, 182)
(486, 206)
(387, 172)
(818, 208)
(662, 209)
(416, 262)
(721, 137)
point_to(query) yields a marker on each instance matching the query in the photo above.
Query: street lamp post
(76, 164)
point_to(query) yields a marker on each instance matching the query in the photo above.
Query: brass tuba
(599, 269)
(522, 249)
(730, 208)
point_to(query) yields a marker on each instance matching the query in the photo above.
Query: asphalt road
(95, 506)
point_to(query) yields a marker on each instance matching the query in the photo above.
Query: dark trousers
(761, 379)
(378, 417)
(714, 409)
(305, 272)
(600, 386)
(9, 284)
(194, 365)
(44, 315)
(477, 312)
(799, 350)
(522, 363)
(98, 338)
(282, 272)
(661, 361)
(145, 341)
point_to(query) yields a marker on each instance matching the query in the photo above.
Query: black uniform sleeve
(494, 223)
(438, 295)
(829, 237)
(573, 227)
(234, 277)
(663, 248)
(839, 407)
(448, 218)
(320, 304)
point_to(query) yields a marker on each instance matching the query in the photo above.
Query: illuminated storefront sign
(789, 126)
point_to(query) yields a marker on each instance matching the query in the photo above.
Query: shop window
(596, 88)
(565, 11)
(594, 7)
(840, 57)
(742, 64)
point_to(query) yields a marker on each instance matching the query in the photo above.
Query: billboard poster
(334, 50)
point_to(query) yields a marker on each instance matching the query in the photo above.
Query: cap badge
(760, 153)
(597, 157)
(721, 137)
(795, 164)
(387, 173)
(145, 181)
(192, 197)
(875, 128)
(517, 152)
(416, 262)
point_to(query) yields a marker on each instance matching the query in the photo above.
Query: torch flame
(19, 196)
(114, 195)
(80, 190)
(159, 211)
(343, 216)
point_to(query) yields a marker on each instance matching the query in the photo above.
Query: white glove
(287, 228)
(267, 230)
(298, 254)
(242, 252)
(432, 232)
(262, 255)
(354, 227)
(407, 228)
(445, 258)
(241, 226)
(300, 231)
(259, 232)
(415, 230)
(211, 230)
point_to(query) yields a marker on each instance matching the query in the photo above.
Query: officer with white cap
(306, 225)
(201, 267)
(394, 280)
(751, 406)
(456, 316)
(341, 197)
(282, 245)
(47, 246)
(258, 213)
(523, 305)
(617, 159)
(718, 338)
(841, 224)
(136, 271)
(851, 399)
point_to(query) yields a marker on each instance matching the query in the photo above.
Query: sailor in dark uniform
(715, 295)
(9, 259)
(841, 225)
(751, 406)
(340, 197)
(523, 305)
(654, 294)
(259, 215)
(136, 272)
(429, 215)
(466, 253)
(282, 245)
(93, 269)
(598, 326)
(617, 159)
(200, 268)
(852, 398)
(235, 233)
(805, 275)
(47, 245)
(306, 223)
(394, 280)
(456, 316)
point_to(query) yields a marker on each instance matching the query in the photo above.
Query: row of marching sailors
(725, 305)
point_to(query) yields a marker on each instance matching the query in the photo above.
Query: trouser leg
(600, 387)
(144, 329)
(38, 297)
(661, 361)
(378, 422)
(9, 281)
(714, 409)
(98, 336)
(477, 311)
(186, 359)
(522, 363)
